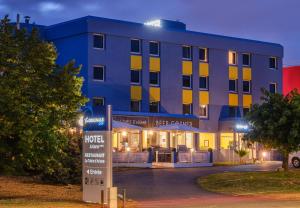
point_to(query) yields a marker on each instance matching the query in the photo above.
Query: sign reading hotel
(96, 158)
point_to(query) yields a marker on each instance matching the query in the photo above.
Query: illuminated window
(273, 88)
(154, 78)
(203, 111)
(98, 41)
(232, 58)
(206, 143)
(203, 83)
(187, 109)
(154, 48)
(135, 76)
(187, 52)
(273, 63)
(98, 101)
(154, 107)
(98, 73)
(135, 46)
(233, 85)
(203, 54)
(246, 86)
(187, 81)
(246, 59)
(135, 106)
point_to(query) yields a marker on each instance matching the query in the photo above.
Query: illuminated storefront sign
(154, 23)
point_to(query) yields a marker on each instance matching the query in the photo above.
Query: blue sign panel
(95, 119)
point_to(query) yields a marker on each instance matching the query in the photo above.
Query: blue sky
(267, 20)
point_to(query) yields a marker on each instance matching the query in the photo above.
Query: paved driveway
(177, 188)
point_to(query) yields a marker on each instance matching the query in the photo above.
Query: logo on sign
(99, 121)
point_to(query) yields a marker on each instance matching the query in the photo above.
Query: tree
(275, 123)
(39, 102)
(241, 153)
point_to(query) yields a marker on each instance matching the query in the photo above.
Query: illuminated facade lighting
(153, 23)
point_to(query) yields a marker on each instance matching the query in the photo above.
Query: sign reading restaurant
(156, 121)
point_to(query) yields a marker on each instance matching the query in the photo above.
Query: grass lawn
(252, 183)
(22, 192)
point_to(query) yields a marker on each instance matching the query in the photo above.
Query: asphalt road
(177, 188)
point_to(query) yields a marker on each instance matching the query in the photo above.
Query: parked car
(295, 159)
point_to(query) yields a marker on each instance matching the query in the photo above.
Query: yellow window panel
(187, 96)
(136, 62)
(203, 69)
(233, 72)
(187, 67)
(233, 99)
(247, 73)
(154, 64)
(203, 98)
(247, 101)
(207, 140)
(136, 92)
(154, 94)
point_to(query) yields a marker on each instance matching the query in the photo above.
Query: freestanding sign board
(96, 157)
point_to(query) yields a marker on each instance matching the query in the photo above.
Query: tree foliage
(276, 123)
(39, 102)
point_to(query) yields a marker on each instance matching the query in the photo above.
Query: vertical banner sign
(96, 157)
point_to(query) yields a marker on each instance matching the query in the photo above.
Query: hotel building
(172, 90)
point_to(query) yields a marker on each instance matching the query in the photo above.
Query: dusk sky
(267, 20)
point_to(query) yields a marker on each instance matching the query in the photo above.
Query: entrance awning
(177, 127)
(123, 125)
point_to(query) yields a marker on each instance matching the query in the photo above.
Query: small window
(232, 112)
(246, 59)
(154, 107)
(187, 81)
(135, 76)
(203, 111)
(187, 109)
(246, 111)
(232, 85)
(98, 101)
(187, 52)
(98, 73)
(98, 41)
(203, 54)
(203, 83)
(246, 86)
(154, 48)
(273, 88)
(154, 78)
(273, 63)
(232, 58)
(135, 106)
(135, 46)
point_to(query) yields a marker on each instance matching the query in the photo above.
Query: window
(203, 54)
(98, 41)
(98, 73)
(232, 85)
(246, 86)
(273, 88)
(98, 101)
(187, 109)
(154, 48)
(246, 111)
(135, 76)
(232, 58)
(187, 81)
(154, 78)
(232, 111)
(135, 46)
(246, 59)
(206, 143)
(203, 111)
(135, 106)
(187, 52)
(203, 83)
(154, 107)
(273, 63)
